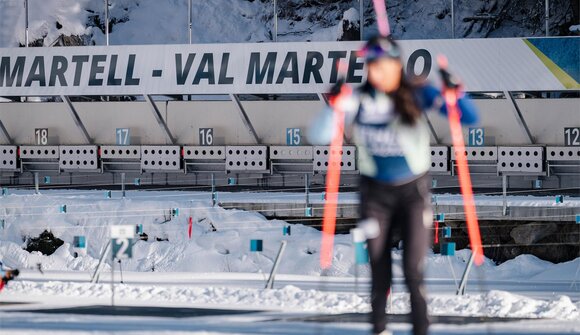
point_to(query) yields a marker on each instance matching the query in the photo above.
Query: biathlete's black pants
(407, 208)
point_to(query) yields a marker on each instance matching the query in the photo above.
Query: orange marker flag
(450, 96)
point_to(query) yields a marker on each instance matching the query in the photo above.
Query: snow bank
(227, 249)
(224, 250)
(291, 298)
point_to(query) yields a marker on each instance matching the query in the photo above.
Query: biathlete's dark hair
(406, 102)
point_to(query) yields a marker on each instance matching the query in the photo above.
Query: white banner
(264, 68)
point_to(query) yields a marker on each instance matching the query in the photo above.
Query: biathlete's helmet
(380, 47)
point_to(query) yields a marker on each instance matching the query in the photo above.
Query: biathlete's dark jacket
(389, 150)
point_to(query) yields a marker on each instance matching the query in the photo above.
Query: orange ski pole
(333, 180)
(450, 96)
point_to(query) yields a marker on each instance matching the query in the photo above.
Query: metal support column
(26, 23)
(96, 274)
(213, 192)
(107, 21)
(520, 117)
(5, 133)
(463, 283)
(77, 119)
(36, 183)
(323, 98)
(189, 20)
(275, 21)
(270, 282)
(159, 119)
(504, 182)
(361, 19)
(453, 19)
(432, 129)
(547, 18)
(123, 184)
(245, 118)
(307, 189)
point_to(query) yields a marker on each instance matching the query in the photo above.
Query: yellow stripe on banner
(562, 76)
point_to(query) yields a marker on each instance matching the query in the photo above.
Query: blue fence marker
(139, 229)
(440, 217)
(448, 249)
(231, 181)
(175, 212)
(308, 211)
(108, 194)
(79, 242)
(256, 245)
(137, 182)
(577, 218)
(433, 183)
(4, 191)
(2, 223)
(559, 199)
(323, 197)
(447, 232)
(47, 179)
(286, 230)
(361, 254)
(63, 208)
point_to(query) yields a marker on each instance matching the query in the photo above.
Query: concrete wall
(546, 119)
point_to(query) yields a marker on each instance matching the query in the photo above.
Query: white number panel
(246, 158)
(520, 159)
(478, 153)
(291, 152)
(322, 154)
(204, 152)
(121, 152)
(439, 159)
(39, 152)
(562, 154)
(8, 157)
(160, 158)
(78, 157)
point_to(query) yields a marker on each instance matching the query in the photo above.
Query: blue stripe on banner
(565, 52)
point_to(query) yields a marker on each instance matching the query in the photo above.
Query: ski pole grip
(449, 80)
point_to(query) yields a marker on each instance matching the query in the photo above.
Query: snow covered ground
(166, 22)
(215, 269)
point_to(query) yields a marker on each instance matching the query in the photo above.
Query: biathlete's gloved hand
(336, 90)
(449, 80)
(370, 227)
(10, 275)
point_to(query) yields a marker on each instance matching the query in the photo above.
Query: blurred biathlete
(6, 276)
(384, 119)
